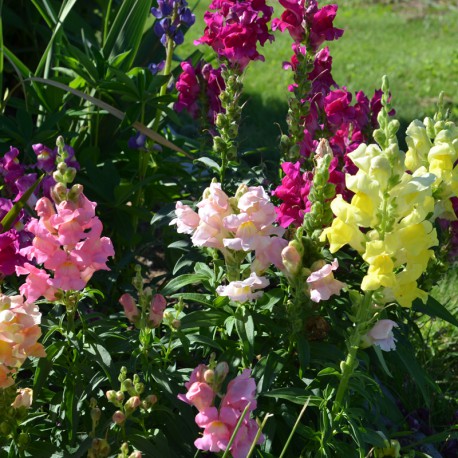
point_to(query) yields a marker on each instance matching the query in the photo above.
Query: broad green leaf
(203, 318)
(194, 297)
(177, 283)
(435, 309)
(209, 163)
(406, 354)
(127, 30)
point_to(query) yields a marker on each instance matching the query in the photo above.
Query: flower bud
(130, 307)
(139, 388)
(149, 401)
(132, 404)
(209, 376)
(118, 417)
(127, 385)
(111, 396)
(136, 454)
(176, 324)
(291, 259)
(156, 311)
(96, 413)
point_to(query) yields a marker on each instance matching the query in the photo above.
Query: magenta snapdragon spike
(235, 28)
(198, 89)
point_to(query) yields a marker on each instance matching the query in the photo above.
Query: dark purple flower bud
(137, 141)
(156, 68)
(165, 9)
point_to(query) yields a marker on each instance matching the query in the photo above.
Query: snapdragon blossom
(19, 334)
(235, 29)
(243, 223)
(67, 242)
(219, 422)
(197, 84)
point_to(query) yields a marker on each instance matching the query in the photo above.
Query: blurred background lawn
(413, 42)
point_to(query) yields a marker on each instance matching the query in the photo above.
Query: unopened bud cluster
(128, 399)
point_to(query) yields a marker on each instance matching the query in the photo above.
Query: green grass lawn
(413, 42)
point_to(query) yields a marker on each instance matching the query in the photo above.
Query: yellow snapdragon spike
(418, 144)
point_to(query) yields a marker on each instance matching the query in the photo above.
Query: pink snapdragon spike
(382, 335)
(156, 311)
(241, 223)
(219, 422)
(67, 241)
(322, 283)
(19, 334)
(235, 29)
(245, 290)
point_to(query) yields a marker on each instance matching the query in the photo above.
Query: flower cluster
(134, 389)
(235, 226)
(172, 15)
(318, 21)
(197, 85)
(386, 220)
(433, 144)
(219, 422)
(235, 28)
(16, 180)
(19, 332)
(67, 242)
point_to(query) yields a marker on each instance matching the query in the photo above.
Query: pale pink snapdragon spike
(245, 290)
(156, 311)
(19, 334)
(381, 335)
(322, 283)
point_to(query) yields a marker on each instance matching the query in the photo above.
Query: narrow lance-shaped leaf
(113, 111)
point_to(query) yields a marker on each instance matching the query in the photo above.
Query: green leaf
(194, 297)
(127, 30)
(183, 280)
(295, 395)
(203, 318)
(406, 354)
(209, 163)
(244, 325)
(381, 358)
(434, 308)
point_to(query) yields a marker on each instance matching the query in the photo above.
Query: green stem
(106, 22)
(350, 363)
(146, 155)
(237, 427)
(294, 428)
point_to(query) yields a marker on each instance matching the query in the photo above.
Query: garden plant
(169, 291)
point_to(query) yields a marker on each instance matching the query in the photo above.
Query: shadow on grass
(263, 121)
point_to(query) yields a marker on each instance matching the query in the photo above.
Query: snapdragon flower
(381, 334)
(235, 29)
(198, 83)
(19, 334)
(387, 218)
(240, 224)
(245, 290)
(219, 422)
